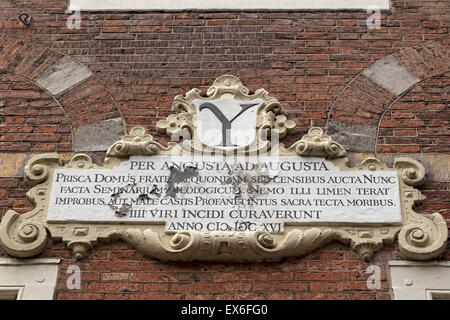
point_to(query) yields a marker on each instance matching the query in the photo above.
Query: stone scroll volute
(419, 237)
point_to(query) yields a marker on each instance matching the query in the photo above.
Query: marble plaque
(217, 194)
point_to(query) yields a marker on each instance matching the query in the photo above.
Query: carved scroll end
(38, 168)
(21, 239)
(181, 246)
(181, 103)
(296, 243)
(424, 240)
(412, 172)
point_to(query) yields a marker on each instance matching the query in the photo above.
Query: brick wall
(30, 119)
(321, 66)
(419, 121)
(116, 271)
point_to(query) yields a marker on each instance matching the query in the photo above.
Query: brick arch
(31, 120)
(355, 117)
(418, 122)
(88, 105)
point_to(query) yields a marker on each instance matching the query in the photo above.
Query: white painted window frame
(431, 294)
(183, 5)
(11, 292)
(28, 279)
(416, 280)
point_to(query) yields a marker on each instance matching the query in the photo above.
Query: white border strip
(176, 5)
(23, 262)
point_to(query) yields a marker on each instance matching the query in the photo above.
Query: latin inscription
(213, 194)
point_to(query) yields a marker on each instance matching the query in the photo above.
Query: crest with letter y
(228, 119)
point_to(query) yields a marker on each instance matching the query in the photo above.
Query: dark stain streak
(116, 195)
(121, 190)
(177, 176)
(155, 191)
(125, 208)
(143, 197)
(122, 211)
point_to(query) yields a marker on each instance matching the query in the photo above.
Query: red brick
(156, 287)
(140, 61)
(156, 296)
(351, 265)
(199, 296)
(408, 149)
(115, 276)
(322, 286)
(125, 255)
(116, 296)
(153, 277)
(114, 287)
(322, 276)
(281, 276)
(321, 296)
(197, 287)
(240, 276)
(238, 286)
(115, 266)
(322, 265)
(279, 296)
(79, 296)
(280, 286)
(239, 296)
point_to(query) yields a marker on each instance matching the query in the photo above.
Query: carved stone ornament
(83, 209)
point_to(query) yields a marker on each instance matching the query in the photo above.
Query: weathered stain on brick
(12, 164)
(97, 136)
(392, 76)
(63, 75)
(352, 136)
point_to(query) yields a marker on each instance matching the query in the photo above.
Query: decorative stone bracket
(419, 237)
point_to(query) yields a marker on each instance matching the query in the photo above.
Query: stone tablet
(228, 191)
(215, 194)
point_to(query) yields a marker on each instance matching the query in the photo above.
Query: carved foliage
(138, 142)
(316, 143)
